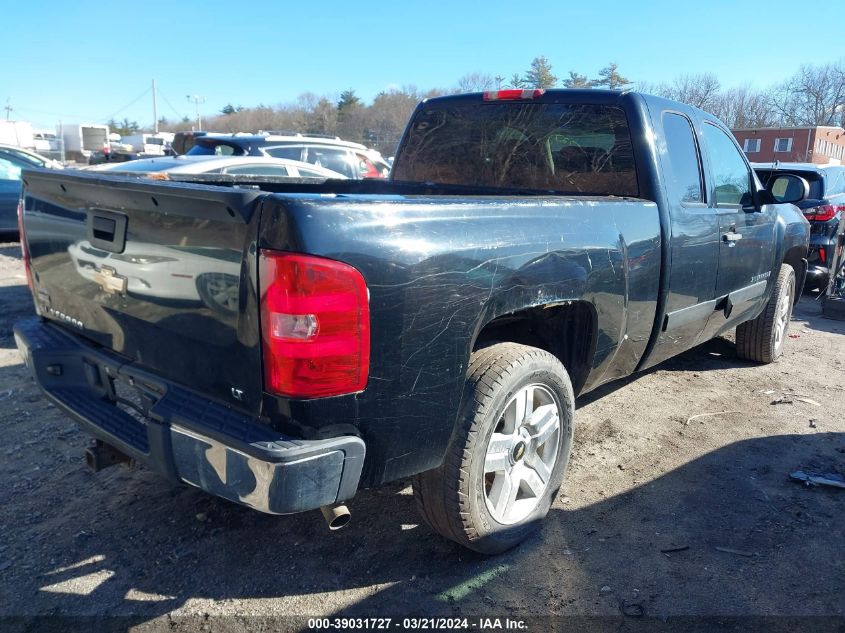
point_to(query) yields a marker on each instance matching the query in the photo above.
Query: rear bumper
(184, 435)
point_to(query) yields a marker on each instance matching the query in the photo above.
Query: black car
(823, 207)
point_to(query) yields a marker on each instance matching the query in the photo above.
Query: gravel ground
(660, 515)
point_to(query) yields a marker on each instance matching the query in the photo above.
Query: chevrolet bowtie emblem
(108, 279)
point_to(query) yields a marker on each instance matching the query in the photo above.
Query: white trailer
(18, 133)
(150, 144)
(83, 138)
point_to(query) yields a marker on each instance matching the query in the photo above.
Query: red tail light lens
(822, 255)
(513, 95)
(27, 263)
(315, 326)
(823, 213)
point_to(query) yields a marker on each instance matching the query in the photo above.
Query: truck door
(694, 239)
(747, 233)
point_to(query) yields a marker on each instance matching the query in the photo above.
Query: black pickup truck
(283, 345)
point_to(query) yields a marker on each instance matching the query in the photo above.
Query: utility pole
(197, 101)
(8, 109)
(62, 140)
(155, 109)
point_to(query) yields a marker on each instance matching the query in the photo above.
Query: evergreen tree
(540, 74)
(609, 77)
(516, 81)
(577, 81)
(124, 128)
(348, 99)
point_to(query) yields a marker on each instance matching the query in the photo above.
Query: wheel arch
(796, 257)
(567, 330)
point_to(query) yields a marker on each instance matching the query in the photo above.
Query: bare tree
(744, 107)
(815, 95)
(387, 117)
(476, 82)
(699, 91)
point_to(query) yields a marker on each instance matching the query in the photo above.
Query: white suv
(353, 160)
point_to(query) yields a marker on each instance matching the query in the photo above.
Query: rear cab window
(558, 147)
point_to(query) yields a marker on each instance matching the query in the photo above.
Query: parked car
(183, 273)
(13, 159)
(353, 160)
(230, 165)
(823, 207)
(114, 152)
(530, 246)
(184, 141)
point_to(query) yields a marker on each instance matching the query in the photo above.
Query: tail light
(822, 255)
(513, 95)
(27, 262)
(315, 326)
(824, 212)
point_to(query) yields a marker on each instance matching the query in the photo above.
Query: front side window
(684, 173)
(751, 145)
(731, 178)
(783, 144)
(559, 147)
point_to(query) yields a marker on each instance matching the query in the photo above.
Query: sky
(85, 61)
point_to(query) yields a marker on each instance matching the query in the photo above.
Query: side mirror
(788, 188)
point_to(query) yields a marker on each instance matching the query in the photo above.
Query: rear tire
(762, 339)
(509, 452)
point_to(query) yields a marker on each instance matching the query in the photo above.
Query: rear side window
(566, 148)
(684, 173)
(337, 160)
(208, 147)
(731, 177)
(294, 153)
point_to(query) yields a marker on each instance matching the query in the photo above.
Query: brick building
(820, 144)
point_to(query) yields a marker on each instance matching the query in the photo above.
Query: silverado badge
(108, 279)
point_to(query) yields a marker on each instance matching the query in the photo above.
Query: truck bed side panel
(439, 270)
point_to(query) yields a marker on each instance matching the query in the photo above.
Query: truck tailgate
(161, 273)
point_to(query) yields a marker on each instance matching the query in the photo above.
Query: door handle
(731, 238)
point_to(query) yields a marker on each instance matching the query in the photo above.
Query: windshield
(568, 148)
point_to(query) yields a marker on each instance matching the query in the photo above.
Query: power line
(175, 111)
(128, 105)
(61, 115)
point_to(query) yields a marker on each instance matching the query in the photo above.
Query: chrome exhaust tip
(337, 516)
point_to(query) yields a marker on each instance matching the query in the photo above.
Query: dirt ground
(662, 514)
